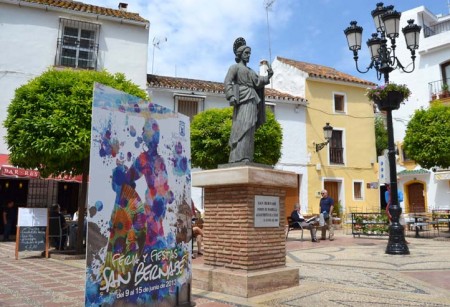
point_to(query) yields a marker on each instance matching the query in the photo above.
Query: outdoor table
(420, 221)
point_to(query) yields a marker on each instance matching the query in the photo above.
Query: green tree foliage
(210, 132)
(49, 120)
(381, 136)
(48, 125)
(427, 139)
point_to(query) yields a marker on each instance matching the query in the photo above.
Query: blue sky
(196, 36)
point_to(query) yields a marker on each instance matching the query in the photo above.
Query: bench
(291, 225)
(439, 217)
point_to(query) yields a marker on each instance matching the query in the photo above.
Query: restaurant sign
(19, 172)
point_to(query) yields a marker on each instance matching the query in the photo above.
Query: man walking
(326, 208)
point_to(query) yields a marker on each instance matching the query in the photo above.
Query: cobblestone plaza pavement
(345, 272)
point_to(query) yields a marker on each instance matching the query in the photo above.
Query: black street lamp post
(384, 60)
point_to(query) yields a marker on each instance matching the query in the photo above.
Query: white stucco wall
(124, 48)
(294, 155)
(288, 79)
(28, 39)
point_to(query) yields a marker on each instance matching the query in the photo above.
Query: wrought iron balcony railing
(336, 155)
(439, 89)
(436, 29)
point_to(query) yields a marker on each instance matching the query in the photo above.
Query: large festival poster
(139, 212)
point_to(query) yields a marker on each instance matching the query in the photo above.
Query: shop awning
(11, 171)
(442, 175)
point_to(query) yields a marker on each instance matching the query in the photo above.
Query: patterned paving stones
(345, 272)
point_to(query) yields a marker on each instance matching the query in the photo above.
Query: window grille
(41, 193)
(336, 148)
(189, 106)
(78, 43)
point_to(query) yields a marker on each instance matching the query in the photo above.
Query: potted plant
(337, 212)
(388, 96)
(445, 91)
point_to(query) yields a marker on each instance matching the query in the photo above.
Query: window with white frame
(358, 190)
(189, 105)
(339, 100)
(77, 44)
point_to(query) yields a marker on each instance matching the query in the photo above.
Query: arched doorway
(416, 197)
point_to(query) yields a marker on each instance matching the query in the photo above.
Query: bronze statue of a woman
(244, 89)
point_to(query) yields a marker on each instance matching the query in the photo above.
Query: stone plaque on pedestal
(240, 257)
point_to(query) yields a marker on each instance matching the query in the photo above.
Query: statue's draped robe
(247, 87)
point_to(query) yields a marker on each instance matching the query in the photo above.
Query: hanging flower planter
(388, 96)
(390, 102)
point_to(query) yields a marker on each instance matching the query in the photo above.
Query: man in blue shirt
(326, 208)
(387, 197)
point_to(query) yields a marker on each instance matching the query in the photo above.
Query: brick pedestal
(239, 258)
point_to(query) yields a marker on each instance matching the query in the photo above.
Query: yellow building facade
(347, 165)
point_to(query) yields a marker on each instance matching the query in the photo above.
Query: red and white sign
(19, 172)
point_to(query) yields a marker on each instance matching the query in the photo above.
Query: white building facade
(423, 189)
(38, 35)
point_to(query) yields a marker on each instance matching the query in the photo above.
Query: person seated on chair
(55, 211)
(298, 220)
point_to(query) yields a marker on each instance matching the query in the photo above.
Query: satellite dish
(158, 40)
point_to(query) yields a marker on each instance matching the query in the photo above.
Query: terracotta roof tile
(88, 8)
(324, 72)
(209, 86)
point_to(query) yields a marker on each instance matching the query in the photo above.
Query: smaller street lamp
(327, 133)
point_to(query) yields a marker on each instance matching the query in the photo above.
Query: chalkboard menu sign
(32, 238)
(32, 230)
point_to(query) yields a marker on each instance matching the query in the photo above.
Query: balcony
(436, 29)
(336, 155)
(439, 90)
